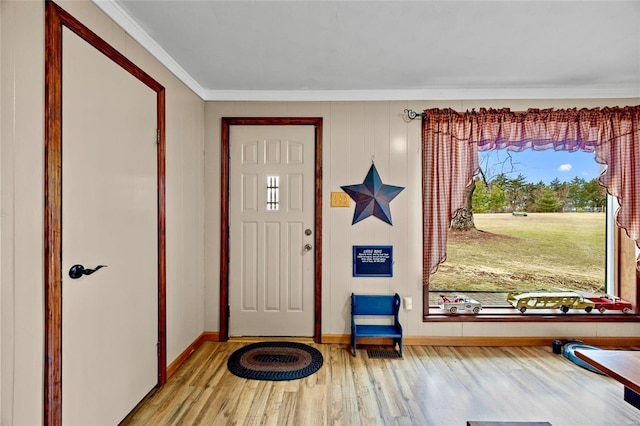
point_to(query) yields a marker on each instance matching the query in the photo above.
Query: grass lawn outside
(540, 251)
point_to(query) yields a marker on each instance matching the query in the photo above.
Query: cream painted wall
(1, 221)
(22, 93)
(21, 179)
(354, 132)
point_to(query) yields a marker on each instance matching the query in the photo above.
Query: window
(539, 224)
(450, 145)
(273, 193)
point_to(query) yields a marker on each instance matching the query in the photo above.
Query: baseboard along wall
(345, 339)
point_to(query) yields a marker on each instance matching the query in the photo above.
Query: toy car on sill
(563, 300)
(459, 302)
(610, 302)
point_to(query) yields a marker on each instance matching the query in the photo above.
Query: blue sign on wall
(372, 261)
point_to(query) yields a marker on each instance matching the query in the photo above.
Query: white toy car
(459, 302)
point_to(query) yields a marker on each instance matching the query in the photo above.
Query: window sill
(505, 314)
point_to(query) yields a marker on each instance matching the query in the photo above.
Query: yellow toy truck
(563, 300)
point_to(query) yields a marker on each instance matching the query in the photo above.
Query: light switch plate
(340, 199)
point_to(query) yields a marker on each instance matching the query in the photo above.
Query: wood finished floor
(430, 386)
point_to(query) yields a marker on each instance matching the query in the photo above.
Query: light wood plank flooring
(430, 386)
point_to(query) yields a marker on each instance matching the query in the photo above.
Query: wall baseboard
(626, 341)
(207, 336)
(345, 339)
(210, 336)
(518, 341)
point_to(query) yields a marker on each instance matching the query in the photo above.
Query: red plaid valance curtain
(451, 141)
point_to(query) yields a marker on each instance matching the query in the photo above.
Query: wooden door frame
(227, 122)
(55, 19)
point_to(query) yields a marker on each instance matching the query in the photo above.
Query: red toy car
(611, 302)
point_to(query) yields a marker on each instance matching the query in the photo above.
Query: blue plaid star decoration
(372, 197)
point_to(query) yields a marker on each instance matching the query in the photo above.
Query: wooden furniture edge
(583, 354)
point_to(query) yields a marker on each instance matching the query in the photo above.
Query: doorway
(109, 228)
(57, 21)
(311, 235)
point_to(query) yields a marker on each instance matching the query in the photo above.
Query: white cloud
(565, 167)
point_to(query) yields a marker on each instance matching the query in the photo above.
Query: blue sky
(539, 166)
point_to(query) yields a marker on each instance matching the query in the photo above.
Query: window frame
(622, 279)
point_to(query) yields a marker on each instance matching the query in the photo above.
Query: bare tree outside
(490, 168)
(493, 191)
(516, 235)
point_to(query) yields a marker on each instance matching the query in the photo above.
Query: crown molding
(425, 94)
(122, 18)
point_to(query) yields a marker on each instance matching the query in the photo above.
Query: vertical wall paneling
(339, 232)
(21, 297)
(382, 149)
(399, 232)
(22, 252)
(353, 131)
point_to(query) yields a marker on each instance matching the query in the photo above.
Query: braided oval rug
(275, 361)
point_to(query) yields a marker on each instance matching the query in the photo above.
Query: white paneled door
(109, 217)
(271, 231)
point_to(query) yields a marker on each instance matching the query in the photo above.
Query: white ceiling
(385, 50)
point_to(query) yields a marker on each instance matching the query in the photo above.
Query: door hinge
(228, 311)
(158, 136)
(158, 349)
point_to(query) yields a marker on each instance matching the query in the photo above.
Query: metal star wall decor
(372, 197)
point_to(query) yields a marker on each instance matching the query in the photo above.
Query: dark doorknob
(77, 271)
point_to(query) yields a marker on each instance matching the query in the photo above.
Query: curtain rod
(412, 115)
